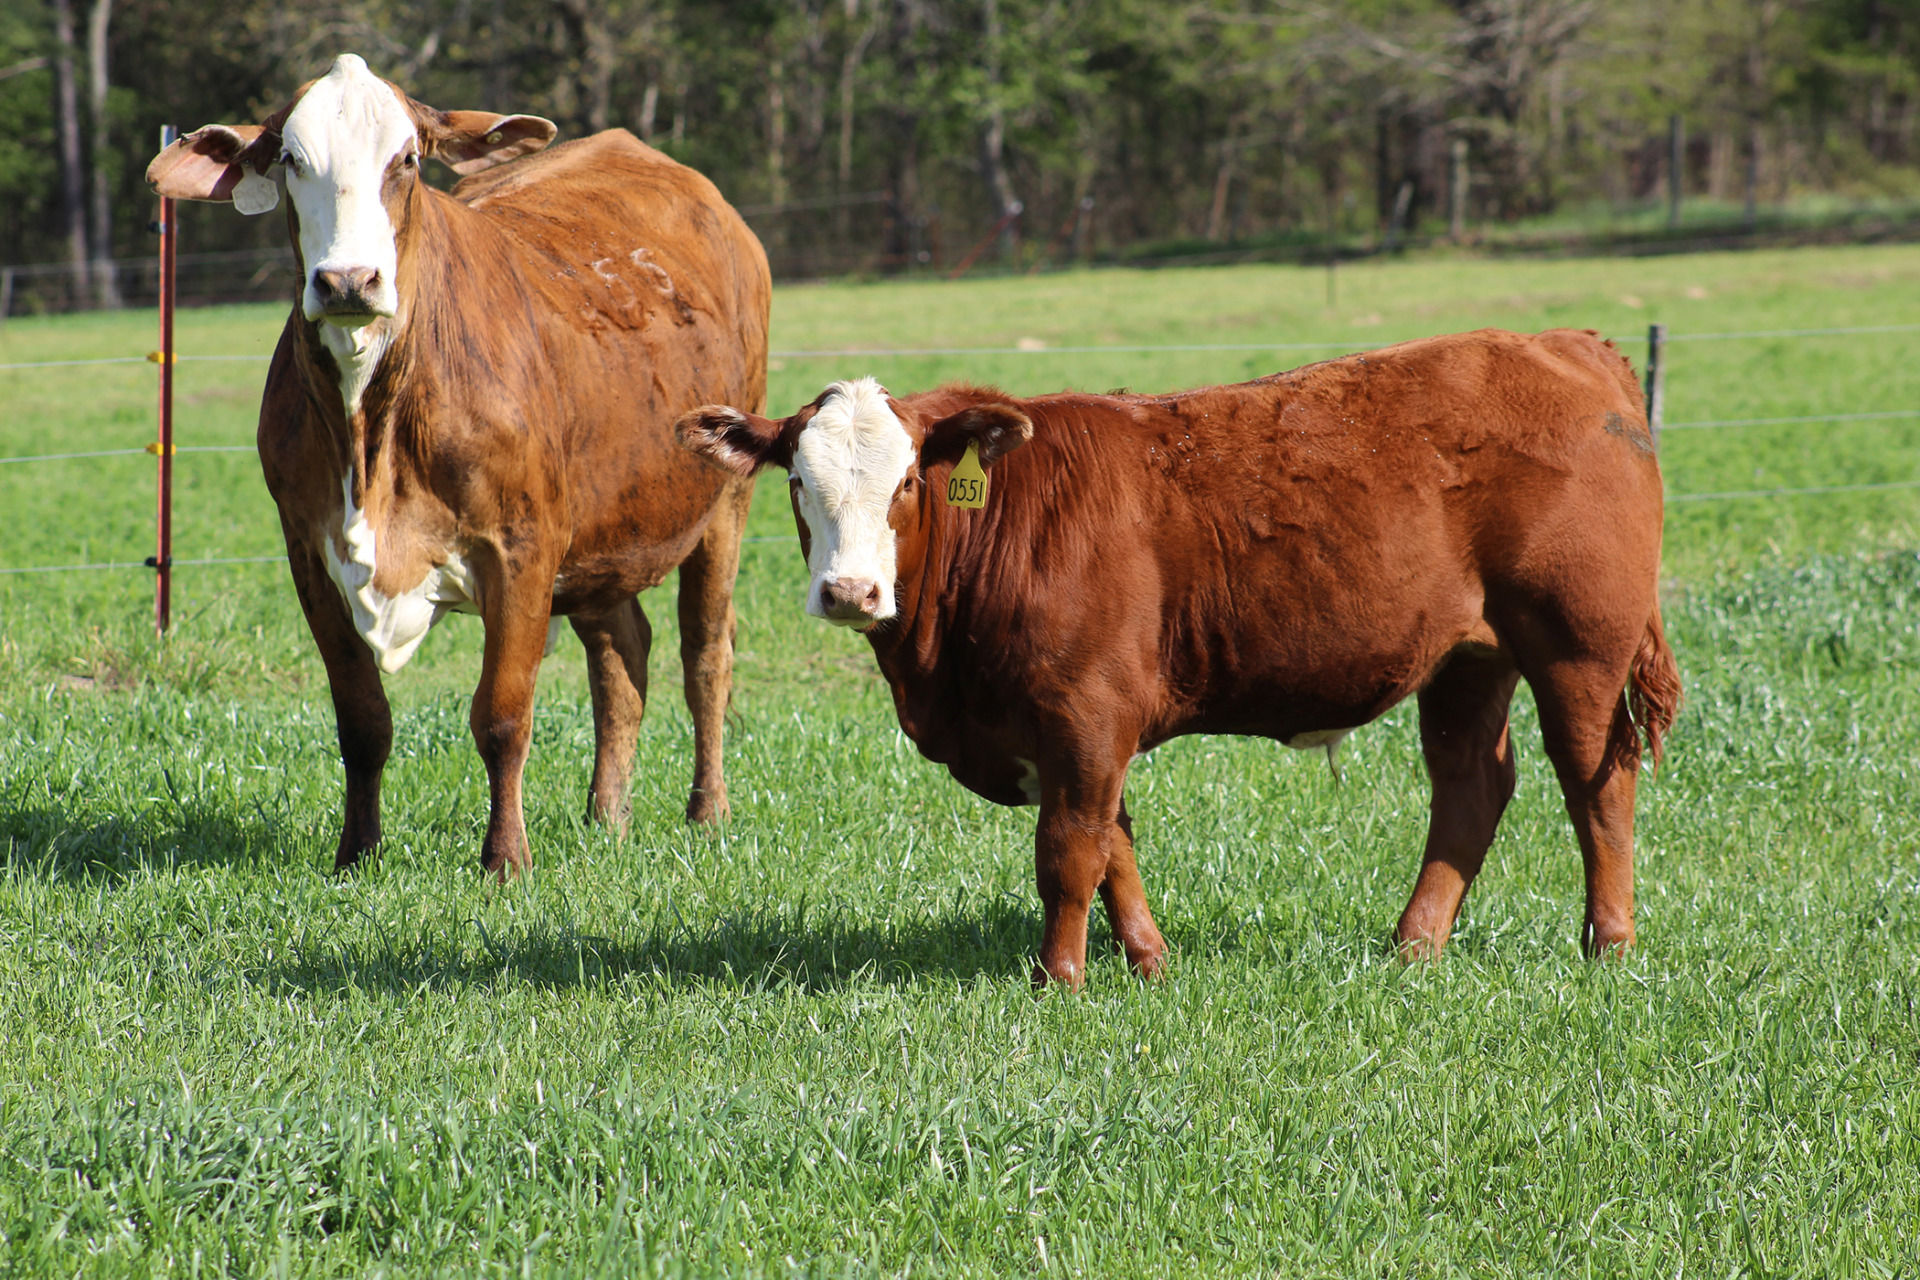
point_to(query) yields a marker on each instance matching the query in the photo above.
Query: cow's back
(1300, 552)
(652, 297)
(619, 236)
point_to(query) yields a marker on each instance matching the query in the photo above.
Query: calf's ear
(741, 442)
(210, 162)
(470, 141)
(994, 429)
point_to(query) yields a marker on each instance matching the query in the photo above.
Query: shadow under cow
(814, 951)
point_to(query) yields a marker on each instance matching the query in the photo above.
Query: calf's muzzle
(852, 600)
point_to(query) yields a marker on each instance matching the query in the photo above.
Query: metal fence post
(162, 561)
(1656, 381)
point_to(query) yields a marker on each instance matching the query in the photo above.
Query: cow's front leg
(360, 711)
(1082, 847)
(706, 647)
(516, 617)
(617, 644)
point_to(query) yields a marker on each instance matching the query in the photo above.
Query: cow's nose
(345, 288)
(850, 599)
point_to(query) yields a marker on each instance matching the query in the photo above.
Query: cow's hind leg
(617, 645)
(360, 711)
(706, 646)
(1469, 751)
(1590, 738)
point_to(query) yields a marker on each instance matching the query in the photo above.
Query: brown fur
(1283, 557)
(556, 314)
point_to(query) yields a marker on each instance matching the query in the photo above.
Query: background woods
(889, 135)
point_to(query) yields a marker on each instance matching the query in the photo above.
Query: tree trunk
(1223, 185)
(105, 285)
(649, 108)
(849, 66)
(66, 106)
(993, 162)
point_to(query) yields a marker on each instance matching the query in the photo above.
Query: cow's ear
(994, 429)
(741, 442)
(212, 162)
(470, 141)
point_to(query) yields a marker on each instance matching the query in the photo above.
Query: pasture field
(805, 1044)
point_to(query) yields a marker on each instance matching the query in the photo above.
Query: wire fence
(1037, 349)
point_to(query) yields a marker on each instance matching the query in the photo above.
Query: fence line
(1811, 417)
(1038, 349)
(121, 453)
(1792, 493)
(279, 559)
(1116, 349)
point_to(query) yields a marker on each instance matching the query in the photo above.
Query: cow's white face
(347, 138)
(848, 464)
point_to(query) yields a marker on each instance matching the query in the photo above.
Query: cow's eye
(411, 160)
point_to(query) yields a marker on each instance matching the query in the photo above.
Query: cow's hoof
(1063, 977)
(1420, 949)
(348, 860)
(1607, 943)
(705, 808)
(614, 816)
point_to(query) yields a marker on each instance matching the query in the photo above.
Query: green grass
(806, 1043)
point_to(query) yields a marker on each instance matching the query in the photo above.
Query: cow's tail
(1651, 701)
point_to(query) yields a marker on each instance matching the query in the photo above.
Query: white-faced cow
(1285, 558)
(471, 410)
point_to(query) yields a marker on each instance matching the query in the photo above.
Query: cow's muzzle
(348, 293)
(851, 602)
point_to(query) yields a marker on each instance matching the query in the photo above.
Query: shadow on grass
(113, 849)
(756, 951)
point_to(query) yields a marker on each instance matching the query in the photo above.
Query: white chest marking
(392, 626)
(357, 351)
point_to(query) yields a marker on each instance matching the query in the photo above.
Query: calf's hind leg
(1469, 751)
(617, 645)
(1589, 737)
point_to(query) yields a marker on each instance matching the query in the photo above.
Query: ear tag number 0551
(967, 483)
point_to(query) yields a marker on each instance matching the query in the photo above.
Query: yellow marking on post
(162, 357)
(967, 484)
(157, 448)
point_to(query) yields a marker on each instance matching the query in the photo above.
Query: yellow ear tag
(967, 483)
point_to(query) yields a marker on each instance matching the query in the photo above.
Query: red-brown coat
(1285, 558)
(474, 414)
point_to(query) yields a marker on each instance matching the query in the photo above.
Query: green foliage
(805, 1044)
(1225, 121)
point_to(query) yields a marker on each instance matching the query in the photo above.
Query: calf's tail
(1652, 698)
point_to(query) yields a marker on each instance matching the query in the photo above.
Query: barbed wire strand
(1124, 349)
(121, 453)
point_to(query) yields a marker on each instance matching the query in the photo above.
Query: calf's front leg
(360, 711)
(516, 617)
(1083, 846)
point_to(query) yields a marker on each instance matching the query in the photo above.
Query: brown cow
(471, 406)
(1286, 558)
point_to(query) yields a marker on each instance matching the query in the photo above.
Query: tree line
(888, 135)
